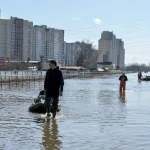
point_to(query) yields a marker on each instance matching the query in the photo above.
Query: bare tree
(88, 54)
(137, 67)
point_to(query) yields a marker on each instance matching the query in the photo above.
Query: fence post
(16, 80)
(1, 82)
(9, 81)
(32, 74)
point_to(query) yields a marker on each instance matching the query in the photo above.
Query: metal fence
(29, 75)
(17, 76)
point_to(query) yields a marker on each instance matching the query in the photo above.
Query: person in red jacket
(139, 75)
(123, 78)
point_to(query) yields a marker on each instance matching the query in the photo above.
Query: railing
(18, 76)
(27, 75)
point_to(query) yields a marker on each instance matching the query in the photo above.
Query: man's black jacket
(53, 82)
(123, 78)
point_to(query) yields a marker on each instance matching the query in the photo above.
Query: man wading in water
(123, 78)
(53, 86)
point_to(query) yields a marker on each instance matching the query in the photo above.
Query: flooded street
(94, 116)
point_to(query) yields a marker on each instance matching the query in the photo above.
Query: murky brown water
(94, 116)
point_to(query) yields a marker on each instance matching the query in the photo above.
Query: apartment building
(48, 43)
(21, 39)
(59, 46)
(120, 53)
(69, 53)
(38, 41)
(5, 38)
(109, 49)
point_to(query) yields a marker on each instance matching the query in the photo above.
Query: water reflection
(50, 139)
(122, 96)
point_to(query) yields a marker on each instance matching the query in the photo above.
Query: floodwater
(94, 116)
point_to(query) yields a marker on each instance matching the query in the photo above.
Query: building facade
(48, 43)
(21, 39)
(107, 46)
(16, 39)
(69, 54)
(38, 42)
(110, 50)
(59, 46)
(5, 38)
(120, 53)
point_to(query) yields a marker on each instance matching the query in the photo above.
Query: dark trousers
(54, 101)
(139, 77)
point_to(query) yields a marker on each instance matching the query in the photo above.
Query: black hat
(53, 62)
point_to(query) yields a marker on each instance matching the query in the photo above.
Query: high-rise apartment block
(69, 50)
(59, 46)
(120, 53)
(16, 38)
(48, 43)
(39, 38)
(21, 41)
(5, 38)
(111, 49)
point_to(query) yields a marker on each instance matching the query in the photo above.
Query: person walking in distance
(123, 78)
(53, 86)
(139, 75)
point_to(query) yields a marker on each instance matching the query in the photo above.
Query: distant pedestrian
(123, 78)
(139, 75)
